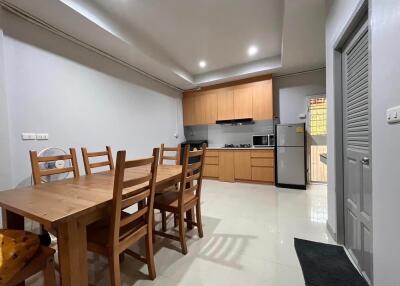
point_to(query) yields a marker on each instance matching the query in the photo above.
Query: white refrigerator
(290, 167)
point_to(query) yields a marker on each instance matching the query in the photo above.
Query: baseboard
(331, 232)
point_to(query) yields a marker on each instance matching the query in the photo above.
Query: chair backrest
(89, 166)
(192, 173)
(165, 157)
(37, 173)
(145, 193)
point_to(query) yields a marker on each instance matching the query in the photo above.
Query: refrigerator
(290, 159)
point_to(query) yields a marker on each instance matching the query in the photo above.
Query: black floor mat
(326, 265)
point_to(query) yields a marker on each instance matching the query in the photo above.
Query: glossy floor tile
(248, 240)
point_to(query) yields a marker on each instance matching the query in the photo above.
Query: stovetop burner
(237, 146)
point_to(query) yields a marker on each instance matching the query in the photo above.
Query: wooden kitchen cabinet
(188, 110)
(262, 100)
(226, 166)
(237, 165)
(242, 165)
(211, 164)
(263, 174)
(210, 106)
(243, 101)
(236, 101)
(225, 103)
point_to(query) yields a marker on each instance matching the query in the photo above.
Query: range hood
(243, 121)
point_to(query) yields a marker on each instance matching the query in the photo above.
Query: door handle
(365, 161)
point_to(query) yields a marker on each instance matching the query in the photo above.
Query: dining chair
(164, 156)
(43, 260)
(38, 173)
(113, 238)
(186, 198)
(89, 166)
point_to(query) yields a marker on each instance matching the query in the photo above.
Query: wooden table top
(56, 202)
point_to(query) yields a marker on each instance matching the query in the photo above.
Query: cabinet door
(242, 165)
(210, 105)
(263, 174)
(198, 109)
(243, 101)
(188, 110)
(226, 166)
(225, 103)
(263, 100)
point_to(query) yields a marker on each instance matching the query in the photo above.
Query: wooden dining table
(68, 206)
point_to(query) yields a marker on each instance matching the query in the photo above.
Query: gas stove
(237, 146)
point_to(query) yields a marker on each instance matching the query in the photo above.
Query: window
(318, 116)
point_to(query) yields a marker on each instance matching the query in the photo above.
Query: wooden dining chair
(38, 173)
(89, 166)
(165, 157)
(186, 198)
(42, 261)
(115, 236)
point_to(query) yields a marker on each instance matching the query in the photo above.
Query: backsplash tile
(218, 135)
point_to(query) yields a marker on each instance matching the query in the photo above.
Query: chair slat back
(38, 173)
(192, 174)
(165, 157)
(89, 166)
(143, 197)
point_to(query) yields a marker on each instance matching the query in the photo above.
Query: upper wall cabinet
(225, 103)
(249, 100)
(263, 100)
(243, 101)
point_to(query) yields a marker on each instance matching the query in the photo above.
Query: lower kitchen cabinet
(242, 165)
(263, 174)
(211, 171)
(226, 166)
(237, 165)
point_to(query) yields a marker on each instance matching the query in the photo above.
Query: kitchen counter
(251, 148)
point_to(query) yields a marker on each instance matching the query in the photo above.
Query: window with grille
(318, 125)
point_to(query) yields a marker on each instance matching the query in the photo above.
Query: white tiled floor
(248, 240)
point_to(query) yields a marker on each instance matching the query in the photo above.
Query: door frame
(361, 11)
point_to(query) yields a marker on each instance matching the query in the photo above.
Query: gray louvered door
(357, 151)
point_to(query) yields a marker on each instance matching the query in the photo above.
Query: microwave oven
(267, 140)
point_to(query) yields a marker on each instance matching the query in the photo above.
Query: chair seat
(98, 233)
(169, 200)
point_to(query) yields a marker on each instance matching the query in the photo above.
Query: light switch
(42, 136)
(28, 136)
(393, 115)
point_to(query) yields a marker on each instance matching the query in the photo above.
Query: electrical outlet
(42, 136)
(28, 136)
(393, 115)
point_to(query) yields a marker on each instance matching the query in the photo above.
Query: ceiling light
(252, 50)
(202, 64)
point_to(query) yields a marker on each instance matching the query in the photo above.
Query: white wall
(80, 98)
(385, 140)
(291, 92)
(385, 92)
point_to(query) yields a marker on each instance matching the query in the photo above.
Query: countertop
(251, 148)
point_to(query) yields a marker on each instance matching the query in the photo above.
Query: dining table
(68, 206)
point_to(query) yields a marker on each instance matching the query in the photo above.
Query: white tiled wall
(223, 134)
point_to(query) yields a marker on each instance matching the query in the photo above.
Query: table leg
(12, 220)
(72, 253)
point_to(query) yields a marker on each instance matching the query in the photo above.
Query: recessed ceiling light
(202, 64)
(252, 50)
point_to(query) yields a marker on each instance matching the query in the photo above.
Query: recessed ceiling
(168, 38)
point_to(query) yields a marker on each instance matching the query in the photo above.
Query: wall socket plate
(393, 115)
(42, 136)
(35, 136)
(28, 136)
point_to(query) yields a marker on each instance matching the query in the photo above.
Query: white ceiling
(167, 38)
